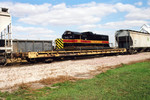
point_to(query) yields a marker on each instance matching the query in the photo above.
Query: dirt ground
(45, 74)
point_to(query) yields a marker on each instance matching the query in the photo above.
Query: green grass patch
(129, 82)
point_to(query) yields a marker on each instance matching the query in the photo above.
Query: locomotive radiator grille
(59, 44)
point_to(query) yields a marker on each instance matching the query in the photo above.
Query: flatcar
(82, 40)
(133, 41)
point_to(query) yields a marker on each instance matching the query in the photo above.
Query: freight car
(82, 41)
(133, 41)
(29, 45)
(22, 47)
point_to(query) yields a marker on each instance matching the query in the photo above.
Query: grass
(129, 82)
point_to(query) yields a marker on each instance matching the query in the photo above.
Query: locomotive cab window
(71, 37)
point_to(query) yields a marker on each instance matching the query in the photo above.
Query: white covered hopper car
(133, 41)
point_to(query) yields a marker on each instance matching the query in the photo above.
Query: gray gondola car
(30, 45)
(133, 41)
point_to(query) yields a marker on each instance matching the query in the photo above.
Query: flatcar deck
(47, 54)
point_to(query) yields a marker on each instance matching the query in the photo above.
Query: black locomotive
(82, 40)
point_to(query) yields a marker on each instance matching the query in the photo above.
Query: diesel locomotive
(82, 40)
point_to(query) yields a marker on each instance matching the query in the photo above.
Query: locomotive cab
(71, 35)
(87, 35)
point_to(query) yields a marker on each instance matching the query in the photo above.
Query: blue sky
(75, 2)
(48, 19)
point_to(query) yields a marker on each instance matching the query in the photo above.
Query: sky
(48, 19)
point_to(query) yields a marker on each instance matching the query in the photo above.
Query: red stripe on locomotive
(69, 41)
(106, 42)
(84, 41)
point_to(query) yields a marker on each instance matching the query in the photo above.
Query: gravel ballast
(10, 76)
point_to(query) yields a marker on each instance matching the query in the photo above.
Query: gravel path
(10, 76)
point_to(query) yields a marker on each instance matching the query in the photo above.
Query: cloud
(134, 13)
(123, 24)
(124, 7)
(32, 33)
(32, 30)
(139, 14)
(126, 24)
(138, 3)
(87, 27)
(148, 2)
(60, 14)
(82, 14)
(25, 9)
